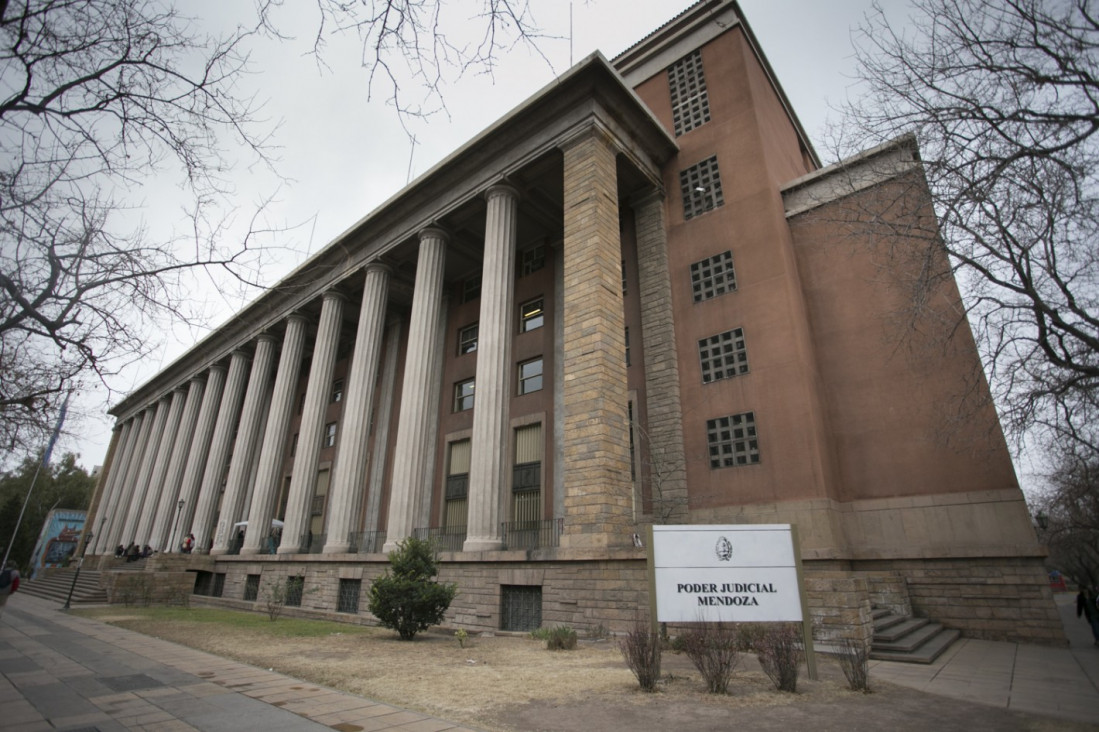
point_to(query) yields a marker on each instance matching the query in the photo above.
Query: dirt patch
(510, 683)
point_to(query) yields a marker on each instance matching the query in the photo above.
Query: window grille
(530, 376)
(690, 101)
(204, 582)
(294, 588)
(467, 339)
(219, 584)
(723, 356)
(732, 441)
(712, 277)
(251, 588)
(531, 260)
(463, 395)
(700, 186)
(348, 599)
(520, 607)
(317, 508)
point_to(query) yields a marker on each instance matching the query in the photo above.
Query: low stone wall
(839, 604)
(888, 590)
(148, 588)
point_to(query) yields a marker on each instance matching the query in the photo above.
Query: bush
(779, 651)
(714, 650)
(641, 649)
(561, 638)
(406, 598)
(854, 658)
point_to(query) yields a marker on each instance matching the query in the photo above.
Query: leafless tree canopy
(1071, 512)
(1003, 96)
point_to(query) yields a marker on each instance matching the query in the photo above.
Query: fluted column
(141, 439)
(488, 458)
(247, 436)
(155, 486)
(200, 448)
(110, 504)
(420, 380)
(167, 512)
(303, 480)
(382, 423)
(349, 473)
(262, 509)
(148, 459)
(222, 442)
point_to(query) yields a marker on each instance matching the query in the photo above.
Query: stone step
(56, 586)
(880, 612)
(909, 641)
(902, 627)
(885, 622)
(931, 649)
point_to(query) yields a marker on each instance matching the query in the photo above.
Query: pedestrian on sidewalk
(1086, 606)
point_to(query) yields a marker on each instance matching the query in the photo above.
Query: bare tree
(1069, 508)
(1003, 97)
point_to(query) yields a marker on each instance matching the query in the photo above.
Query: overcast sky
(342, 155)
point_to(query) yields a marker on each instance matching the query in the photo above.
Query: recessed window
(330, 434)
(624, 280)
(467, 339)
(690, 102)
(700, 185)
(337, 390)
(627, 334)
(732, 441)
(530, 376)
(723, 356)
(463, 395)
(712, 277)
(471, 288)
(347, 601)
(531, 315)
(531, 260)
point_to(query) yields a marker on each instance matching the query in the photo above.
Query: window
(348, 599)
(712, 277)
(471, 288)
(316, 507)
(723, 356)
(700, 185)
(526, 478)
(219, 585)
(467, 339)
(337, 390)
(732, 441)
(530, 376)
(627, 334)
(251, 588)
(457, 486)
(531, 260)
(624, 282)
(532, 315)
(294, 588)
(520, 607)
(330, 434)
(690, 102)
(463, 395)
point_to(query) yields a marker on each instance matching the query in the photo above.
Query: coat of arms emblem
(724, 549)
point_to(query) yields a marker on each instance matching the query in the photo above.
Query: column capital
(502, 188)
(434, 232)
(377, 266)
(333, 294)
(266, 337)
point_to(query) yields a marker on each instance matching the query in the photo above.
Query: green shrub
(406, 598)
(561, 638)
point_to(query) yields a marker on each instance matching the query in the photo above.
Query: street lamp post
(179, 513)
(79, 564)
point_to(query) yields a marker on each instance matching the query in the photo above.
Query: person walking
(1086, 607)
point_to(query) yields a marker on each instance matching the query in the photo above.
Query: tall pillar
(303, 479)
(262, 509)
(155, 486)
(349, 472)
(421, 378)
(90, 534)
(166, 527)
(247, 436)
(200, 448)
(148, 459)
(221, 443)
(488, 458)
(598, 491)
(381, 428)
(109, 504)
(133, 467)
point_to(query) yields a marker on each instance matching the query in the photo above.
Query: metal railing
(445, 539)
(532, 534)
(366, 542)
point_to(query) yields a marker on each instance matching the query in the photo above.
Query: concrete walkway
(60, 672)
(1051, 682)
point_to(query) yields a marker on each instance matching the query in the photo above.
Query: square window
(329, 434)
(713, 276)
(723, 356)
(467, 339)
(690, 101)
(531, 260)
(700, 186)
(337, 390)
(732, 441)
(530, 376)
(532, 315)
(463, 395)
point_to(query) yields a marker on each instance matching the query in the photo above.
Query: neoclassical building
(638, 297)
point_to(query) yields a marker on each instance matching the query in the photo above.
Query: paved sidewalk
(1052, 682)
(60, 672)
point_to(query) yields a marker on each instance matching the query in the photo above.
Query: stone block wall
(839, 605)
(888, 590)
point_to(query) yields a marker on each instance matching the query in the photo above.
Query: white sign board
(739, 573)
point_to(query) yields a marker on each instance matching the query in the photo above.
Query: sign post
(749, 573)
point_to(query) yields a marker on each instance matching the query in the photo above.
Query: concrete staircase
(907, 639)
(56, 584)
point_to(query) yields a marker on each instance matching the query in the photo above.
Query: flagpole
(44, 461)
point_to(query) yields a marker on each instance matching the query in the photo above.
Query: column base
(340, 548)
(288, 550)
(483, 544)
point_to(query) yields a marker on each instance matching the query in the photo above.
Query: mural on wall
(58, 539)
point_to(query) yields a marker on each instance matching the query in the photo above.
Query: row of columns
(174, 456)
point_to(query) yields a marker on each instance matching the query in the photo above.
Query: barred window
(723, 356)
(531, 260)
(530, 376)
(251, 588)
(520, 607)
(348, 599)
(700, 185)
(463, 395)
(690, 102)
(532, 315)
(732, 440)
(467, 339)
(294, 589)
(712, 277)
